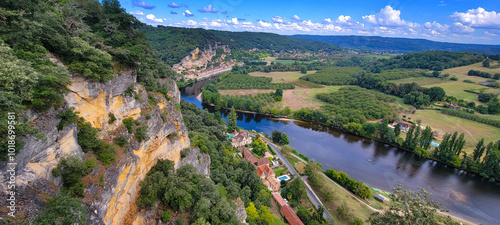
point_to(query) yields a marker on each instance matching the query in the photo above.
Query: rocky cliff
(111, 191)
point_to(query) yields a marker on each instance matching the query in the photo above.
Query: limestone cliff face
(114, 202)
(111, 191)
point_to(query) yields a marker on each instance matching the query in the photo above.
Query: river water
(381, 166)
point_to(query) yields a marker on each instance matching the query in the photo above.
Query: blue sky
(461, 21)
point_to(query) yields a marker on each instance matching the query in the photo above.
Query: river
(381, 166)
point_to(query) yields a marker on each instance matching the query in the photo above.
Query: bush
(356, 187)
(454, 78)
(185, 152)
(121, 141)
(72, 169)
(112, 118)
(468, 81)
(140, 133)
(63, 210)
(129, 123)
(67, 116)
(165, 216)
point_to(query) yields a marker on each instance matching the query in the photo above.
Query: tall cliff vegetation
(93, 40)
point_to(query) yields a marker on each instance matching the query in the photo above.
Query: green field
(280, 77)
(461, 72)
(442, 123)
(456, 89)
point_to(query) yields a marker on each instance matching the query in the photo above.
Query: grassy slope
(473, 131)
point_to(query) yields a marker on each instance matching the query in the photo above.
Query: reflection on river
(379, 165)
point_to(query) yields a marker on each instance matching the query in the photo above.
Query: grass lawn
(280, 77)
(442, 124)
(493, 117)
(356, 208)
(456, 88)
(278, 171)
(461, 72)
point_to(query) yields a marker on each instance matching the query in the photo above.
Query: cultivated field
(457, 89)
(280, 77)
(461, 72)
(442, 124)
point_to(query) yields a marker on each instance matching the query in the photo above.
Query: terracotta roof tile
(290, 215)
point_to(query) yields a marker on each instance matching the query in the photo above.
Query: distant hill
(174, 43)
(398, 45)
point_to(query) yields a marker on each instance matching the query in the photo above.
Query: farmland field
(280, 77)
(456, 88)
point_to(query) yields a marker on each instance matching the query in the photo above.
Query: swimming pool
(284, 177)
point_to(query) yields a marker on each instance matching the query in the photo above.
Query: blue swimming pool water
(282, 178)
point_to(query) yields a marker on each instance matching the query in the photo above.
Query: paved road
(310, 193)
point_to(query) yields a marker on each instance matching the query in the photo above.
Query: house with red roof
(290, 216)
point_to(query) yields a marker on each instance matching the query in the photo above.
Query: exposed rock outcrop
(200, 161)
(110, 191)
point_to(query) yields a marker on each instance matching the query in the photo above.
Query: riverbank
(286, 118)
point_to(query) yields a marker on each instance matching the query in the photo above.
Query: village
(270, 169)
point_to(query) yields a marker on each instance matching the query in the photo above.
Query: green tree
(284, 139)
(259, 147)
(63, 210)
(479, 150)
(297, 189)
(397, 130)
(231, 123)
(253, 214)
(277, 136)
(303, 69)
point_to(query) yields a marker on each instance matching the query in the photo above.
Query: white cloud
(208, 9)
(479, 18)
(265, 24)
(187, 13)
(460, 28)
(387, 16)
(137, 12)
(343, 19)
(327, 21)
(233, 21)
(277, 19)
(153, 18)
(296, 18)
(331, 27)
(436, 28)
(191, 23)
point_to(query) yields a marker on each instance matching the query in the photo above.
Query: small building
(262, 161)
(290, 216)
(241, 139)
(267, 175)
(279, 199)
(453, 104)
(379, 198)
(403, 125)
(249, 157)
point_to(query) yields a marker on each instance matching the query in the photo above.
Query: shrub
(63, 210)
(121, 141)
(165, 216)
(468, 81)
(67, 116)
(112, 118)
(185, 152)
(140, 133)
(72, 169)
(129, 123)
(454, 78)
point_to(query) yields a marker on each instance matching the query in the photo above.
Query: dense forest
(174, 43)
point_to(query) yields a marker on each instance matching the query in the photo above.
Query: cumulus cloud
(436, 28)
(296, 18)
(277, 19)
(327, 21)
(264, 24)
(137, 12)
(172, 12)
(191, 23)
(208, 9)
(143, 4)
(460, 28)
(479, 18)
(187, 13)
(387, 17)
(153, 18)
(233, 21)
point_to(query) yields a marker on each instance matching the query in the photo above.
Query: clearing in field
(442, 124)
(461, 72)
(457, 89)
(422, 81)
